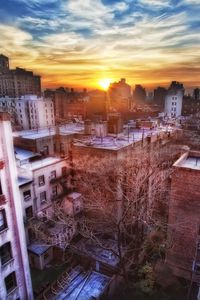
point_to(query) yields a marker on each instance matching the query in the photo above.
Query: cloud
(85, 39)
(156, 3)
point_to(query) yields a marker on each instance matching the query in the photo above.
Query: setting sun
(104, 83)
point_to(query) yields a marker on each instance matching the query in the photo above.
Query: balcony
(1, 163)
(2, 199)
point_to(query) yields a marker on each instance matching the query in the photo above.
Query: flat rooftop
(41, 163)
(22, 154)
(189, 160)
(84, 285)
(88, 248)
(66, 129)
(113, 142)
(23, 180)
(38, 248)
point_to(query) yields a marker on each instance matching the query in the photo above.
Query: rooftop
(84, 285)
(38, 248)
(67, 129)
(113, 142)
(189, 160)
(22, 154)
(41, 163)
(22, 181)
(89, 248)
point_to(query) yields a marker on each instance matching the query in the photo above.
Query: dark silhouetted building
(139, 94)
(159, 96)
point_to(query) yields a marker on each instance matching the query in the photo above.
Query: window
(53, 174)
(29, 212)
(1, 192)
(46, 255)
(41, 180)
(54, 190)
(43, 197)
(10, 282)
(27, 195)
(5, 253)
(46, 150)
(64, 171)
(3, 222)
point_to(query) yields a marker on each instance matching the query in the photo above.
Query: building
(190, 106)
(174, 100)
(159, 97)
(119, 96)
(29, 112)
(15, 280)
(69, 104)
(183, 255)
(196, 94)
(17, 82)
(139, 94)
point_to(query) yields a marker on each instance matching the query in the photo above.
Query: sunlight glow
(104, 83)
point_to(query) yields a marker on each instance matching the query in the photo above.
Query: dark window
(10, 282)
(3, 222)
(43, 197)
(54, 190)
(29, 212)
(53, 174)
(62, 149)
(1, 192)
(64, 171)
(46, 150)
(5, 253)
(41, 180)
(46, 255)
(27, 195)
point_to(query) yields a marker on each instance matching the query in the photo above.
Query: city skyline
(80, 44)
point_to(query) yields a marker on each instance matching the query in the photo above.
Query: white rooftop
(190, 162)
(67, 129)
(41, 163)
(113, 142)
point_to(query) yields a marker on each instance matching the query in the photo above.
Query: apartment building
(29, 112)
(17, 82)
(15, 280)
(174, 100)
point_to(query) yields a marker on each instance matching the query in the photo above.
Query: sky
(77, 43)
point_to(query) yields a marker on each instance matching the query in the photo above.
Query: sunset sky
(80, 42)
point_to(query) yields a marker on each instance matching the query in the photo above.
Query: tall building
(4, 64)
(29, 112)
(159, 96)
(139, 94)
(196, 94)
(119, 95)
(174, 100)
(15, 280)
(17, 82)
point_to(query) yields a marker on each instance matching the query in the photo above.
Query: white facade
(173, 103)
(29, 112)
(15, 280)
(45, 174)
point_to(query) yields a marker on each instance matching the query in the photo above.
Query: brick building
(184, 220)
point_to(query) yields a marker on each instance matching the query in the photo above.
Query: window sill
(12, 291)
(3, 230)
(7, 263)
